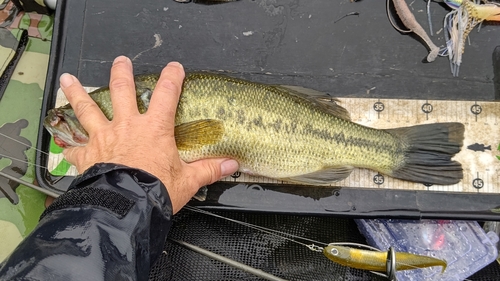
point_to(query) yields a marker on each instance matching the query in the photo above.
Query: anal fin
(322, 177)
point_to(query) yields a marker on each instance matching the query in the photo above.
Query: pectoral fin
(198, 133)
(323, 177)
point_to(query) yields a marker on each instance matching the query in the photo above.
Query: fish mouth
(62, 132)
(60, 142)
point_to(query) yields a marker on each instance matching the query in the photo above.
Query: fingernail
(66, 80)
(123, 59)
(229, 167)
(175, 63)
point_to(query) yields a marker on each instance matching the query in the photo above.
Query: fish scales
(285, 132)
(263, 123)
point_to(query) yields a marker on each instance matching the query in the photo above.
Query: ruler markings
(480, 120)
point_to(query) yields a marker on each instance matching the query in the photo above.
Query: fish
(479, 147)
(289, 133)
(377, 261)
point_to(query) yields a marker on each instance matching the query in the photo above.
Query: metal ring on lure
(391, 264)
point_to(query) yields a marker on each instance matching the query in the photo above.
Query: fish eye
(334, 251)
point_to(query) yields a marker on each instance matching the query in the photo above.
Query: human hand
(145, 141)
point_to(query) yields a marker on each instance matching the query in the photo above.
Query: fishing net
(270, 253)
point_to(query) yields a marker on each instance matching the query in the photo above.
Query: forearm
(112, 222)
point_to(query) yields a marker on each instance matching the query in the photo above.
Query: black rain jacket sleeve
(111, 224)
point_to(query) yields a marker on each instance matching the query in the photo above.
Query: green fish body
(291, 133)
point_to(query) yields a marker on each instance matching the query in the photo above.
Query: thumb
(208, 171)
(71, 156)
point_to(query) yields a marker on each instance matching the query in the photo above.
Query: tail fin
(429, 153)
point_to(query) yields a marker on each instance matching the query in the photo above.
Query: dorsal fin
(325, 102)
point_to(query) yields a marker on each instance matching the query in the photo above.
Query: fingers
(167, 91)
(86, 110)
(208, 171)
(122, 88)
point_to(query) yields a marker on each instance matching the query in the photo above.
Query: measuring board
(480, 154)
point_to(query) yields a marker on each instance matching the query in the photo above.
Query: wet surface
(279, 41)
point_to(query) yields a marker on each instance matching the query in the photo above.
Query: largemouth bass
(376, 261)
(284, 132)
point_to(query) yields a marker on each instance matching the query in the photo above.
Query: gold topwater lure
(377, 261)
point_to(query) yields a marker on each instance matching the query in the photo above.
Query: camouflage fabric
(20, 112)
(37, 6)
(9, 43)
(38, 26)
(12, 44)
(8, 11)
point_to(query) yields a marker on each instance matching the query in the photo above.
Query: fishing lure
(486, 11)
(408, 19)
(377, 261)
(458, 24)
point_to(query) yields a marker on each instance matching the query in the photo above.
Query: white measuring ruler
(480, 155)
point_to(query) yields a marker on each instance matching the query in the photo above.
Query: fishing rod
(35, 187)
(391, 262)
(316, 246)
(18, 180)
(311, 244)
(244, 267)
(207, 253)
(228, 261)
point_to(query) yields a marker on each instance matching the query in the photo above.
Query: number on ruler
(427, 108)
(378, 106)
(378, 179)
(236, 175)
(478, 183)
(476, 109)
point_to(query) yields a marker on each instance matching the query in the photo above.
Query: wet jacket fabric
(111, 224)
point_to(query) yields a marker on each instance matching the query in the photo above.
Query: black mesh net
(272, 254)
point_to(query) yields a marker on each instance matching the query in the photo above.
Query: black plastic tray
(280, 42)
